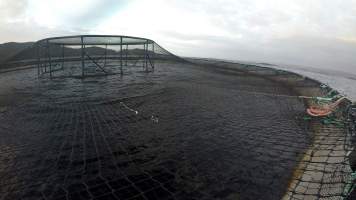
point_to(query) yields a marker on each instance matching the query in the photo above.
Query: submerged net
(192, 129)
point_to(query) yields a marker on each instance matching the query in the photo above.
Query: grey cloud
(25, 32)
(98, 12)
(305, 32)
(319, 33)
(11, 9)
(311, 51)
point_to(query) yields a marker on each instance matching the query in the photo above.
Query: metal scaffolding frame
(51, 55)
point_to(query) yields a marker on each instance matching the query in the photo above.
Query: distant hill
(9, 49)
(56, 51)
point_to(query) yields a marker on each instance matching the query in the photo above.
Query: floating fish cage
(112, 138)
(92, 55)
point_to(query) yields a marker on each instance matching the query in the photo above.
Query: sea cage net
(327, 167)
(321, 172)
(91, 55)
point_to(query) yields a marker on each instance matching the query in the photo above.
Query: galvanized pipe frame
(46, 45)
(96, 36)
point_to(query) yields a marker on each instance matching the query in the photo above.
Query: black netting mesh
(191, 129)
(90, 55)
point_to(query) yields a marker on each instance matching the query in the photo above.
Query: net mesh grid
(136, 148)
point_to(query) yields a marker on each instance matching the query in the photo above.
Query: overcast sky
(316, 33)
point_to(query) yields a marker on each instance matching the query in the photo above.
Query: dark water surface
(181, 132)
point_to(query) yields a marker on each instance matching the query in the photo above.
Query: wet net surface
(326, 169)
(195, 135)
(183, 132)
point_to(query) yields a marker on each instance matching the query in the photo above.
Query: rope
(291, 96)
(153, 118)
(128, 108)
(350, 186)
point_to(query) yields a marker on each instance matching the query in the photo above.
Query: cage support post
(121, 56)
(126, 54)
(62, 56)
(38, 60)
(44, 63)
(143, 59)
(46, 58)
(82, 55)
(106, 51)
(49, 59)
(146, 55)
(153, 56)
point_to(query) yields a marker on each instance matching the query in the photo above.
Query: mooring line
(130, 109)
(287, 96)
(153, 118)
